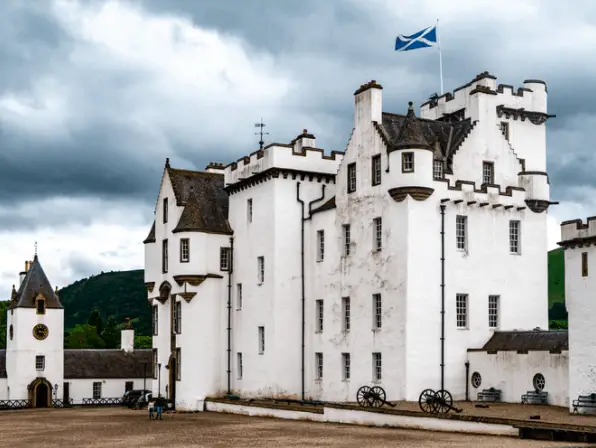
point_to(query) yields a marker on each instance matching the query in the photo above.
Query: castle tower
(35, 339)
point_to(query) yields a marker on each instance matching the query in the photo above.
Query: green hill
(119, 294)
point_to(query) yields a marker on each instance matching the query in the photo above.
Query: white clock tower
(35, 339)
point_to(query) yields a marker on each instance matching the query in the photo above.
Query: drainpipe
(230, 271)
(467, 380)
(443, 297)
(302, 220)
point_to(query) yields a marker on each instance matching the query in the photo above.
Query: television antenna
(261, 125)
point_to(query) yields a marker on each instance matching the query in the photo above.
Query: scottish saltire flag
(421, 39)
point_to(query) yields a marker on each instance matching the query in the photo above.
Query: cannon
(439, 402)
(372, 396)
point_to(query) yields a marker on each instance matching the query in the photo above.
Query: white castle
(416, 259)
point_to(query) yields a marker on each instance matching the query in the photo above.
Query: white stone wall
(581, 309)
(110, 387)
(23, 348)
(3, 389)
(513, 374)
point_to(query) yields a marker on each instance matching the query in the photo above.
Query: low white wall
(3, 389)
(513, 372)
(110, 388)
(349, 416)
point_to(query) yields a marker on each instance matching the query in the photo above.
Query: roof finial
(167, 162)
(411, 112)
(36, 249)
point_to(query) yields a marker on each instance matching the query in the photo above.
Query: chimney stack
(23, 273)
(368, 104)
(127, 337)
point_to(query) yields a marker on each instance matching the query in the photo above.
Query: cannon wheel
(377, 396)
(363, 396)
(443, 401)
(427, 401)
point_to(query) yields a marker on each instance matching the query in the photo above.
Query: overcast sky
(94, 95)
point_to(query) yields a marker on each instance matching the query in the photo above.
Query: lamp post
(159, 379)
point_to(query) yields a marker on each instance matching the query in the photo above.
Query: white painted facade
(110, 387)
(578, 239)
(406, 272)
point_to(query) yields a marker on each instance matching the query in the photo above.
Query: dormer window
(40, 305)
(165, 210)
(407, 162)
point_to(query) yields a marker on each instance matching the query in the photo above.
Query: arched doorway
(40, 393)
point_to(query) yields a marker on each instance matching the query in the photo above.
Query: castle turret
(411, 161)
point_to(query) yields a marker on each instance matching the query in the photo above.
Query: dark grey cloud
(109, 149)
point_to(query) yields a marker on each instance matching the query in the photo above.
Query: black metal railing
(108, 401)
(58, 403)
(14, 404)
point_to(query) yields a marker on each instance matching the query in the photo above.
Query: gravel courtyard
(109, 427)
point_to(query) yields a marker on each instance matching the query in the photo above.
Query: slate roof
(35, 282)
(151, 237)
(449, 132)
(527, 340)
(114, 363)
(100, 364)
(330, 204)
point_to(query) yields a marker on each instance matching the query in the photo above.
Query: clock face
(40, 331)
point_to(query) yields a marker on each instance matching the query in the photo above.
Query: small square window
(407, 162)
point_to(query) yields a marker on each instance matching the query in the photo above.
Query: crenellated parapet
(529, 101)
(575, 233)
(300, 155)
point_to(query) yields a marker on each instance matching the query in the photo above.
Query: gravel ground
(112, 427)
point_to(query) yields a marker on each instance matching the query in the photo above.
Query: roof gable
(34, 284)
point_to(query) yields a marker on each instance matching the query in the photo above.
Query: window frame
(352, 178)
(405, 162)
(376, 170)
(183, 242)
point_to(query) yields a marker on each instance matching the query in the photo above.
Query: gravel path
(113, 427)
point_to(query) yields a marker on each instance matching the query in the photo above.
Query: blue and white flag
(421, 39)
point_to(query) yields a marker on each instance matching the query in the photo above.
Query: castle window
(461, 308)
(155, 315)
(40, 363)
(261, 340)
(11, 332)
(345, 358)
(249, 210)
(584, 264)
(378, 234)
(178, 318)
(438, 169)
(407, 162)
(319, 316)
(493, 311)
(514, 237)
(96, 390)
(155, 364)
(318, 366)
(347, 240)
(488, 173)
(239, 365)
(376, 170)
(164, 256)
(320, 245)
(377, 312)
(165, 210)
(239, 296)
(351, 178)
(461, 232)
(40, 305)
(184, 250)
(505, 129)
(224, 259)
(377, 367)
(178, 363)
(345, 311)
(260, 270)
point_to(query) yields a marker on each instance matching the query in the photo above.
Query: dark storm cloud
(330, 47)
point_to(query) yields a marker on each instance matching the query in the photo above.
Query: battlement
(576, 232)
(301, 154)
(530, 98)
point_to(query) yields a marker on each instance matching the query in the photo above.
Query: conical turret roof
(411, 134)
(35, 283)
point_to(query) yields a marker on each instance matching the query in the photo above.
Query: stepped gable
(449, 133)
(523, 341)
(204, 200)
(34, 283)
(109, 363)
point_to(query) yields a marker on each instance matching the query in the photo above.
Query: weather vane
(261, 133)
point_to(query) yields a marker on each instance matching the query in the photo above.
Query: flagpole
(440, 56)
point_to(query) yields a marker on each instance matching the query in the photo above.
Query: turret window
(40, 305)
(438, 169)
(351, 177)
(376, 170)
(407, 162)
(184, 250)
